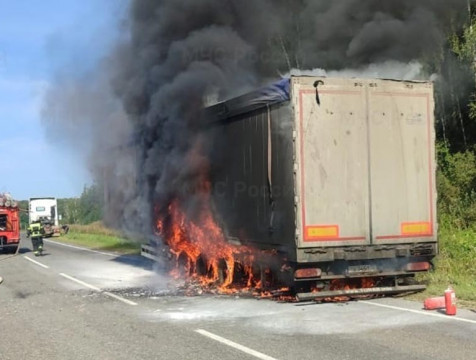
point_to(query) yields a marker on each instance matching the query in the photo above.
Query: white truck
(45, 209)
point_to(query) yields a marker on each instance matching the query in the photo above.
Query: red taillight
(307, 273)
(418, 266)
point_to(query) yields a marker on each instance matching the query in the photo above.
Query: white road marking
(80, 248)
(36, 262)
(235, 345)
(443, 317)
(92, 287)
(128, 302)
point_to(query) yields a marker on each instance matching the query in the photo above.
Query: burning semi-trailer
(323, 185)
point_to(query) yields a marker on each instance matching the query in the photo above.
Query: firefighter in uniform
(36, 231)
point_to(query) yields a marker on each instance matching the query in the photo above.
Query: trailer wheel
(266, 277)
(221, 272)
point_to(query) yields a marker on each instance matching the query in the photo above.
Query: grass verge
(98, 237)
(455, 266)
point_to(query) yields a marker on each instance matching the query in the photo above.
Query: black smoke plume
(140, 115)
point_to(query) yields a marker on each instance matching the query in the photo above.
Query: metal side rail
(358, 292)
(149, 252)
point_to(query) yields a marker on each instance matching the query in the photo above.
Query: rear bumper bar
(367, 252)
(358, 292)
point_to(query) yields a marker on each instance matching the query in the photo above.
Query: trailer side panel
(252, 176)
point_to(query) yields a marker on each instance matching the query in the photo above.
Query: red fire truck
(9, 224)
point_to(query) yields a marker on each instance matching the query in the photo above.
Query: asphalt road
(77, 304)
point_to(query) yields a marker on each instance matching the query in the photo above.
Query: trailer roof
(274, 93)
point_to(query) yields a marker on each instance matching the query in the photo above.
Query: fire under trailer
(335, 175)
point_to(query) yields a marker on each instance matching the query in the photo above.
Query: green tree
(69, 210)
(456, 181)
(24, 219)
(455, 97)
(90, 204)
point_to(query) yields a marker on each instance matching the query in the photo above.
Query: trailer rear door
(364, 162)
(332, 164)
(402, 162)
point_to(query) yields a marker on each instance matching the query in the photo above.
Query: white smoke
(385, 70)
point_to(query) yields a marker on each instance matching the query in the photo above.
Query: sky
(40, 39)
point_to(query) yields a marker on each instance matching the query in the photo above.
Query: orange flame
(349, 284)
(201, 250)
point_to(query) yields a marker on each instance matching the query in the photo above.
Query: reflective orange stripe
(322, 232)
(416, 228)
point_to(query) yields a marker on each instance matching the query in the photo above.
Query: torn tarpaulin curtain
(271, 94)
(275, 93)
